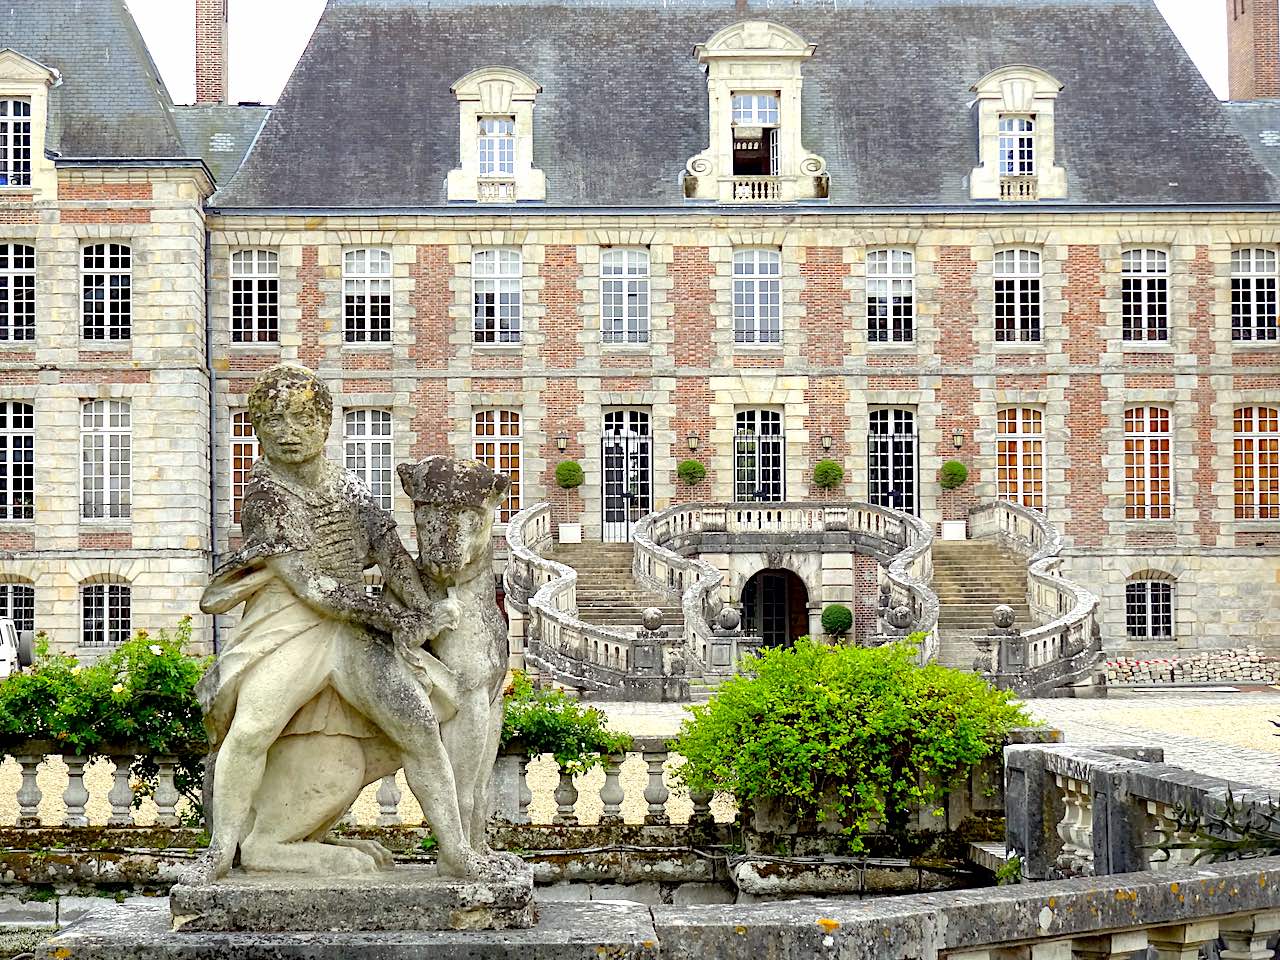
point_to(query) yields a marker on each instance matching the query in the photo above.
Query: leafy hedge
(858, 737)
(551, 721)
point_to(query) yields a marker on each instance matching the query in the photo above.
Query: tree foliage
(551, 721)
(837, 619)
(952, 474)
(827, 474)
(569, 474)
(691, 472)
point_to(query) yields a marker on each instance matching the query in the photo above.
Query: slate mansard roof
(368, 120)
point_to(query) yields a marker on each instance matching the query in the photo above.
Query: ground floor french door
(892, 479)
(627, 475)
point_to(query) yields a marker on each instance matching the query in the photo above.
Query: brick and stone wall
(1253, 48)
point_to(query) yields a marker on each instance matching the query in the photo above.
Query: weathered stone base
(407, 898)
(565, 931)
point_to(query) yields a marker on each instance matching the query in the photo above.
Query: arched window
(1148, 471)
(17, 292)
(15, 143)
(1253, 295)
(496, 296)
(1017, 296)
(106, 286)
(244, 454)
(1257, 463)
(255, 296)
(624, 296)
(498, 445)
(891, 296)
(366, 296)
(106, 613)
(18, 603)
(106, 460)
(1144, 296)
(757, 296)
(1020, 456)
(1148, 607)
(367, 448)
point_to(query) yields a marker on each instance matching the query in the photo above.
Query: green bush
(691, 472)
(569, 474)
(850, 735)
(952, 474)
(837, 619)
(551, 721)
(827, 474)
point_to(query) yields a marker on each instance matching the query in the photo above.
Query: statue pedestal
(406, 898)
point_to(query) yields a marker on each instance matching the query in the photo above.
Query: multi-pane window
(1148, 609)
(244, 454)
(1257, 463)
(255, 296)
(366, 295)
(498, 446)
(755, 109)
(15, 143)
(106, 287)
(1253, 295)
(757, 296)
(1148, 473)
(1017, 147)
(106, 614)
(1017, 280)
(1020, 456)
(496, 148)
(758, 469)
(17, 460)
(18, 603)
(891, 296)
(496, 296)
(624, 296)
(367, 448)
(17, 292)
(106, 460)
(891, 459)
(1144, 295)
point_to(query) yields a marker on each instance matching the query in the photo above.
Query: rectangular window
(1148, 476)
(367, 447)
(890, 296)
(244, 454)
(891, 459)
(1017, 147)
(105, 460)
(17, 292)
(15, 143)
(496, 147)
(1020, 457)
(106, 286)
(366, 296)
(1148, 609)
(624, 296)
(1253, 295)
(496, 296)
(1144, 296)
(1257, 463)
(107, 615)
(757, 296)
(755, 109)
(759, 470)
(255, 296)
(18, 603)
(17, 460)
(498, 446)
(1017, 293)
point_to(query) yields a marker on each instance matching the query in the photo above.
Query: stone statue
(322, 688)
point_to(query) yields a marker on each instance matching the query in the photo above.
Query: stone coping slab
(406, 898)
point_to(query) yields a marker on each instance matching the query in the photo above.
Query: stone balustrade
(1064, 646)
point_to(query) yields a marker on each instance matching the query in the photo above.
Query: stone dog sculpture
(322, 688)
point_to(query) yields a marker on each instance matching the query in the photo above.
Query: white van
(15, 648)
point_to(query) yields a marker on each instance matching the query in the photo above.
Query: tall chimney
(1253, 48)
(211, 51)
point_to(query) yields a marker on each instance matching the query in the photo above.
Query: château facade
(754, 235)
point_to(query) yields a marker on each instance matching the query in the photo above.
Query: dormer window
(15, 143)
(1015, 119)
(24, 111)
(495, 145)
(1017, 146)
(755, 135)
(497, 148)
(755, 109)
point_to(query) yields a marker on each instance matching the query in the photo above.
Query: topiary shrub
(852, 736)
(837, 619)
(551, 721)
(692, 472)
(827, 474)
(952, 474)
(569, 474)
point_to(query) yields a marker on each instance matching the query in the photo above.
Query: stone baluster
(75, 796)
(611, 794)
(526, 795)
(1246, 938)
(566, 798)
(1182, 941)
(1110, 946)
(121, 794)
(388, 797)
(167, 795)
(701, 815)
(656, 792)
(29, 794)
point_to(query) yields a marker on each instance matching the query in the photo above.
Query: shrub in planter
(692, 472)
(569, 474)
(551, 721)
(848, 736)
(952, 474)
(827, 474)
(837, 619)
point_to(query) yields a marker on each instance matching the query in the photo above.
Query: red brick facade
(1253, 48)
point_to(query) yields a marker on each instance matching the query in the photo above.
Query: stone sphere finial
(728, 619)
(651, 618)
(900, 617)
(1003, 616)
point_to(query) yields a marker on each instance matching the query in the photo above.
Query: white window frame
(366, 295)
(766, 471)
(106, 268)
(1150, 606)
(1256, 449)
(1019, 295)
(1148, 461)
(116, 617)
(624, 295)
(891, 296)
(1017, 145)
(760, 108)
(1144, 296)
(244, 452)
(367, 445)
(757, 297)
(496, 146)
(1253, 295)
(893, 458)
(17, 461)
(108, 426)
(1020, 463)
(255, 296)
(497, 296)
(497, 441)
(18, 603)
(17, 292)
(15, 142)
